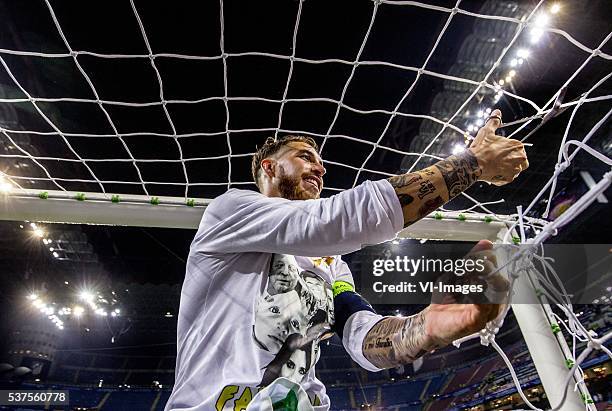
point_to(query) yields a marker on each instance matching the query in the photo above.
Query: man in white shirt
(265, 282)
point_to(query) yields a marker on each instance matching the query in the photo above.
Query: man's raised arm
(391, 341)
(491, 158)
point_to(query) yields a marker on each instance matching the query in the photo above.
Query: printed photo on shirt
(291, 316)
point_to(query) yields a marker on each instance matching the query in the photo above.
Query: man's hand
(400, 340)
(501, 159)
(491, 158)
(447, 322)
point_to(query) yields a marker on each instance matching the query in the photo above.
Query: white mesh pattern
(564, 158)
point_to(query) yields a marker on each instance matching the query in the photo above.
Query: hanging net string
(575, 328)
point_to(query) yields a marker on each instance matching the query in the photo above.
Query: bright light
(536, 35)
(502, 82)
(113, 314)
(44, 241)
(5, 186)
(555, 8)
(458, 148)
(508, 79)
(541, 20)
(512, 73)
(117, 310)
(513, 62)
(33, 296)
(37, 303)
(480, 113)
(479, 122)
(51, 249)
(471, 127)
(39, 233)
(520, 61)
(488, 110)
(33, 225)
(86, 296)
(396, 242)
(77, 311)
(56, 255)
(522, 53)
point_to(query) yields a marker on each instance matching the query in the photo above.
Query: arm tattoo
(404, 180)
(423, 191)
(397, 340)
(459, 171)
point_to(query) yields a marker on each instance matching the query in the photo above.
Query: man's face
(283, 273)
(299, 172)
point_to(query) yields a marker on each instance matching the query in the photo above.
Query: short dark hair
(271, 147)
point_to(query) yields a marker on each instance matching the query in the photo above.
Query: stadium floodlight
(77, 311)
(86, 296)
(536, 35)
(55, 254)
(522, 54)
(32, 296)
(555, 8)
(542, 20)
(39, 233)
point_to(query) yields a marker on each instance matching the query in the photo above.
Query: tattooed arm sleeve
(397, 340)
(423, 191)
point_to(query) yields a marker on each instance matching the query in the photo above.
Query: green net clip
(516, 240)
(438, 216)
(155, 200)
(488, 219)
(115, 198)
(190, 202)
(555, 328)
(80, 197)
(43, 195)
(586, 399)
(569, 363)
(462, 217)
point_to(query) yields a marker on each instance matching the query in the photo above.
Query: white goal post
(176, 212)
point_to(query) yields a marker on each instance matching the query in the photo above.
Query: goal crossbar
(176, 212)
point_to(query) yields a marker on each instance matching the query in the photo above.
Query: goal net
(74, 148)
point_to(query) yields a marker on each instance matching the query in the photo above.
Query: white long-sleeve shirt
(256, 299)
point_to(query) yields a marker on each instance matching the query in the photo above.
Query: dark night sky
(403, 35)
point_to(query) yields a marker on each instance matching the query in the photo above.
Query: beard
(290, 188)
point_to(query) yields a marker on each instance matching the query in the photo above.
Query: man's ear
(267, 165)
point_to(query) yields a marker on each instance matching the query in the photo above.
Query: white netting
(485, 83)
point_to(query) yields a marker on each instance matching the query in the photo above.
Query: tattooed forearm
(397, 340)
(419, 193)
(422, 192)
(459, 171)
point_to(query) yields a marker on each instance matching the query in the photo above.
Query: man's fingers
(525, 164)
(491, 125)
(494, 120)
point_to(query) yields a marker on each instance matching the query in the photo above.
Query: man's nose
(319, 170)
